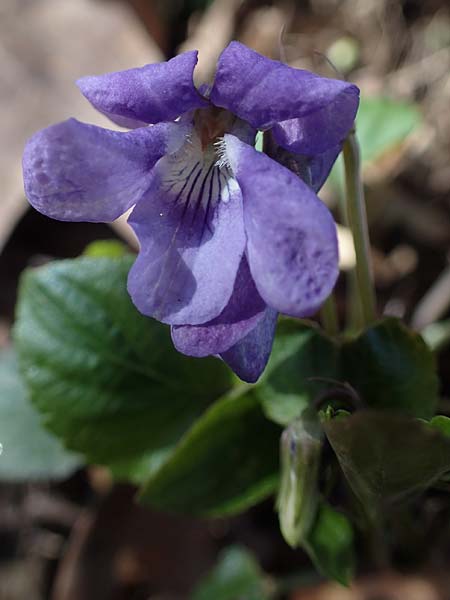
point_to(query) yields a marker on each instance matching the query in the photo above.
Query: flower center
(211, 124)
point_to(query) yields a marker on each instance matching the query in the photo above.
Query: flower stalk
(357, 219)
(328, 316)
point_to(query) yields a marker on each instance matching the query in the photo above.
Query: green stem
(328, 316)
(353, 316)
(357, 219)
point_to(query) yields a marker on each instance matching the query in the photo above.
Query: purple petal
(315, 113)
(248, 358)
(291, 236)
(317, 133)
(320, 166)
(191, 231)
(150, 94)
(242, 313)
(314, 170)
(78, 172)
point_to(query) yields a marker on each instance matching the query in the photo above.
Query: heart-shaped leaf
(107, 379)
(302, 359)
(392, 369)
(227, 462)
(29, 453)
(330, 545)
(385, 457)
(237, 575)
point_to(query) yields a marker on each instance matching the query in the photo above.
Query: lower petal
(242, 313)
(291, 236)
(191, 230)
(78, 172)
(248, 358)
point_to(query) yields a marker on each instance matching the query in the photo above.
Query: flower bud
(300, 448)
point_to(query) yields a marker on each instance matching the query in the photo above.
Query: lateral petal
(78, 172)
(291, 236)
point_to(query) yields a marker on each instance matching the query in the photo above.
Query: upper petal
(248, 357)
(191, 231)
(265, 92)
(78, 172)
(242, 313)
(317, 133)
(150, 94)
(291, 236)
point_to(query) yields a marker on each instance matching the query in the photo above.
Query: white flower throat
(199, 173)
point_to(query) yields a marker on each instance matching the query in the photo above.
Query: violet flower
(229, 237)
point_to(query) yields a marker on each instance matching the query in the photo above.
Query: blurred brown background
(83, 538)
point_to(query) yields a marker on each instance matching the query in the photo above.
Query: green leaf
(392, 368)
(227, 462)
(442, 424)
(236, 576)
(138, 469)
(301, 352)
(330, 545)
(382, 125)
(107, 379)
(106, 249)
(387, 458)
(29, 453)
